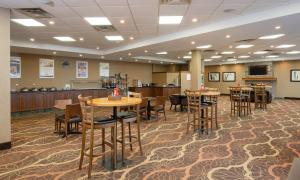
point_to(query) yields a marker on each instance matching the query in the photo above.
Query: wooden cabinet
(156, 91)
(15, 102)
(26, 101)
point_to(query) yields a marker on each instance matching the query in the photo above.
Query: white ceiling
(250, 19)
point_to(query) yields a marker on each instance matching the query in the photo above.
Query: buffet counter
(156, 90)
(30, 101)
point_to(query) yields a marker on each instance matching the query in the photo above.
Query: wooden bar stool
(213, 105)
(236, 101)
(128, 118)
(91, 123)
(198, 110)
(260, 96)
(246, 100)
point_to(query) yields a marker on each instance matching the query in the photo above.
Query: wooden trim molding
(6, 145)
(259, 78)
(293, 98)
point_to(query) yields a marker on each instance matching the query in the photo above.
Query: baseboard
(293, 98)
(6, 145)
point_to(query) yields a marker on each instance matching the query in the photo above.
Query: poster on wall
(188, 77)
(229, 76)
(46, 68)
(15, 67)
(81, 69)
(214, 76)
(104, 69)
(295, 75)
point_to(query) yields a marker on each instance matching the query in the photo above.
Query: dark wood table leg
(148, 110)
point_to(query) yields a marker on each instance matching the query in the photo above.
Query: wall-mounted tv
(258, 70)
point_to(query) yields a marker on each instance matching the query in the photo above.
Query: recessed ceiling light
(162, 52)
(122, 21)
(81, 39)
(216, 57)
(28, 22)
(64, 38)
(136, 60)
(207, 60)
(80, 55)
(272, 56)
(228, 36)
(231, 59)
(260, 52)
(149, 61)
(285, 46)
(293, 52)
(131, 38)
(271, 46)
(54, 52)
(170, 19)
(244, 46)
(275, 36)
(32, 39)
(161, 62)
(230, 47)
(244, 56)
(102, 57)
(192, 42)
(204, 46)
(171, 63)
(114, 38)
(97, 47)
(96, 21)
(51, 22)
(187, 57)
(190, 52)
(121, 58)
(129, 54)
(277, 27)
(227, 52)
(194, 20)
(146, 51)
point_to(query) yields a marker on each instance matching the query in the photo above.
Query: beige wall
(30, 71)
(5, 134)
(159, 78)
(284, 88)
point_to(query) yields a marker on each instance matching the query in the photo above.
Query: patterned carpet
(260, 146)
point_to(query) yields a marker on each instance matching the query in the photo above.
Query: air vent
(175, 2)
(246, 40)
(268, 50)
(109, 28)
(36, 13)
(209, 50)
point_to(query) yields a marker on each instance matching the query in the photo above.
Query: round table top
(211, 93)
(125, 101)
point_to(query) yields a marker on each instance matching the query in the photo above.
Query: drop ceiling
(242, 19)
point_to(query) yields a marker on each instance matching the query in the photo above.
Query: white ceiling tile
(143, 2)
(112, 2)
(57, 3)
(172, 10)
(149, 11)
(17, 4)
(60, 12)
(117, 11)
(206, 2)
(79, 3)
(88, 11)
(146, 20)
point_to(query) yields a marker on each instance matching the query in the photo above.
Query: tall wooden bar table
(125, 101)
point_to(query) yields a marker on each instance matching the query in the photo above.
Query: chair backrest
(144, 103)
(73, 110)
(235, 92)
(259, 89)
(134, 94)
(62, 102)
(160, 100)
(87, 111)
(193, 98)
(174, 99)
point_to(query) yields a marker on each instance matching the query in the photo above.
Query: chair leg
(103, 144)
(123, 140)
(171, 106)
(157, 115)
(188, 122)
(114, 147)
(175, 108)
(165, 114)
(216, 116)
(129, 132)
(139, 136)
(91, 153)
(66, 130)
(82, 146)
(211, 117)
(206, 120)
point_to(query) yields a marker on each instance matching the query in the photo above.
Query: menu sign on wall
(81, 69)
(46, 68)
(104, 69)
(15, 67)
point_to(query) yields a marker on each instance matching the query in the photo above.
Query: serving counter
(156, 90)
(29, 101)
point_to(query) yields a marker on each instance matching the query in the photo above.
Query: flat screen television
(258, 70)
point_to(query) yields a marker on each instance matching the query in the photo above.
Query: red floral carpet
(260, 146)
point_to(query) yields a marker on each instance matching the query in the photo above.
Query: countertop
(60, 90)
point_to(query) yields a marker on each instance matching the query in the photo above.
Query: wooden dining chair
(159, 107)
(92, 123)
(235, 100)
(72, 116)
(260, 97)
(174, 100)
(59, 106)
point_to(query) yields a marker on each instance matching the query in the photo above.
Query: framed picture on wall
(295, 75)
(214, 77)
(46, 68)
(229, 76)
(15, 67)
(104, 69)
(82, 69)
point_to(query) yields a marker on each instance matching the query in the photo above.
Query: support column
(5, 119)
(196, 67)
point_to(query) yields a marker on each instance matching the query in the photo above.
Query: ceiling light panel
(260, 52)
(243, 56)
(187, 57)
(114, 38)
(275, 36)
(64, 38)
(204, 46)
(216, 57)
(285, 46)
(244, 46)
(162, 52)
(96, 21)
(293, 52)
(170, 19)
(227, 52)
(28, 22)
